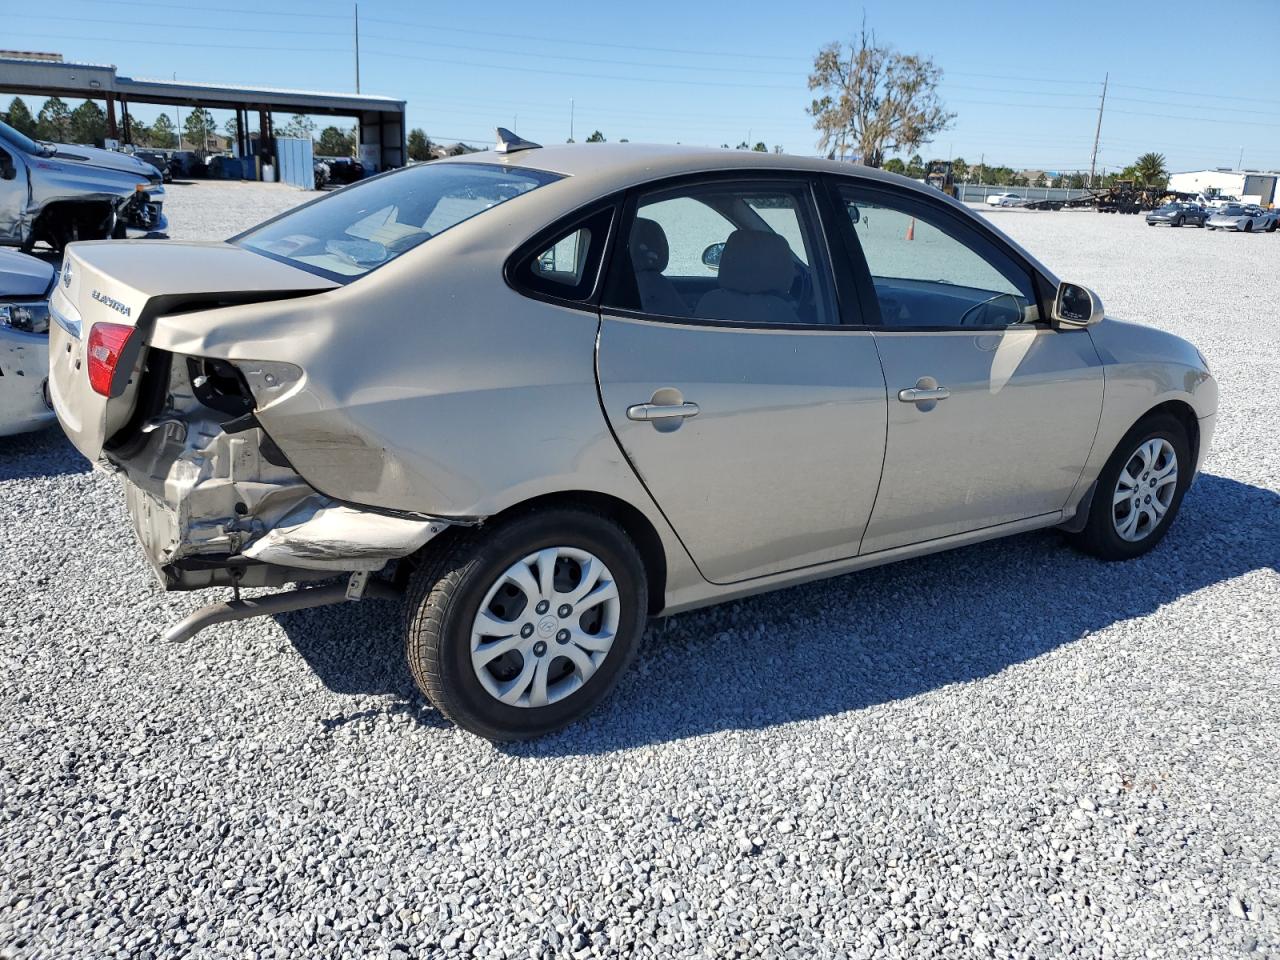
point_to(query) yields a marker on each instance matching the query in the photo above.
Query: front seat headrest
(756, 261)
(649, 251)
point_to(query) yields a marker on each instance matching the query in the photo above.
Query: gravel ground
(1005, 751)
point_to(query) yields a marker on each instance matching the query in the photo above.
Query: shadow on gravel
(45, 453)
(862, 639)
(904, 629)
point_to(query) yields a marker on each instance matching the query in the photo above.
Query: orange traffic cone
(911, 229)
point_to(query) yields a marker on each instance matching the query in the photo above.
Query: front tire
(1139, 491)
(520, 630)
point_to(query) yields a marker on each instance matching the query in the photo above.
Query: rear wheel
(1139, 491)
(518, 631)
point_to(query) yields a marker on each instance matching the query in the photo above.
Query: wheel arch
(1181, 411)
(631, 519)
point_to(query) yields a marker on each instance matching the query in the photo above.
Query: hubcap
(1145, 490)
(545, 627)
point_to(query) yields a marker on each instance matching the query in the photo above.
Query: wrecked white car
(58, 193)
(569, 388)
(24, 343)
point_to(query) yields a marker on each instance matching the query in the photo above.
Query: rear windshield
(361, 227)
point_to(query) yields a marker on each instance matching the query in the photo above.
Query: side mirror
(711, 256)
(1075, 306)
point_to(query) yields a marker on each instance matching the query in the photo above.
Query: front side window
(359, 228)
(738, 252)
(930, 271)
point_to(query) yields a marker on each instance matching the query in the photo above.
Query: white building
(1250, 186)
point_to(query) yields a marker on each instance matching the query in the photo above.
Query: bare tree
(874, 99)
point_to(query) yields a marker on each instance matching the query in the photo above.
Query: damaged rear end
(214, 501)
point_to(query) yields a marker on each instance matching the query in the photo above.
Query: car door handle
(920, 394)
(662, 411)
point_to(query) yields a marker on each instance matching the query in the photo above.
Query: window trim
(597, 255)
(971, 225)
(823, 254)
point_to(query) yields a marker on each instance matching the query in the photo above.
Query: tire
(1151, 223)
(1100, 536)
(1179, 222)
(1248, 226)
(444, 600)
(1271, 227)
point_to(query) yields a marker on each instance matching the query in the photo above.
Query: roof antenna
(508, 142)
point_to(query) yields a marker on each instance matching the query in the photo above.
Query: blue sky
(1022, 78)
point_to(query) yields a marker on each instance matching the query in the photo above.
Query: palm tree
(1150, 169)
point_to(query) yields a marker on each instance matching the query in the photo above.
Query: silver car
(24, 342)
(1246, 218)
(547, 394)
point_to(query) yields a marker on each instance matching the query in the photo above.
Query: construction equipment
(937, 174)
(1126, 197)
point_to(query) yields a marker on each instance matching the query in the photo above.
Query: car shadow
(45, 453)
(866, 638)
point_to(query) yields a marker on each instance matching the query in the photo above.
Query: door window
(737, 252)
(930, 270)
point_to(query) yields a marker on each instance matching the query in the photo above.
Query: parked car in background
(345, 170)
(157, 160)
(1246, 218)
(57, 193)
(567, 389)
(1005, 199)
(1178, 215)
(24, 342)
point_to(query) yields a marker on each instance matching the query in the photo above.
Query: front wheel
(517, 631)
(1248, 226)
(1178, 222)
(1139, 491)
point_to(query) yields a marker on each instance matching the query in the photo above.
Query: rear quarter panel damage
(431, 387)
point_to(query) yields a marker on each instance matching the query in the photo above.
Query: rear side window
(361, 227)
(564, 263)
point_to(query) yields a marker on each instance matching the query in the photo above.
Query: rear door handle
(662, 411)
(919, 394)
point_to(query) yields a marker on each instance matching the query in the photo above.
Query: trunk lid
(133, 283)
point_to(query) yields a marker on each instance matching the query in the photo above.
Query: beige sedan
(546, 394)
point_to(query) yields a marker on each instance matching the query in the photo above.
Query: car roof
(616, 166)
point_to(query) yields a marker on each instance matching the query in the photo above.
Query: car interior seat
(756, 271)
(649, 257)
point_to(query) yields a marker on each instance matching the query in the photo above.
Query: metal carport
(381, 119)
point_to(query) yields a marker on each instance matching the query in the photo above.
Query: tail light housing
(106, 344)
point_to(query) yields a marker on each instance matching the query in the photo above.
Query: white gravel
(1005, 751)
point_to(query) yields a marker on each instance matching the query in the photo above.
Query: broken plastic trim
(322, 534)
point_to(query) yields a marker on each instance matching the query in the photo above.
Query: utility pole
(1240, 162)
(357, 6)
(1097, 134)
(178, 110)
(571, 118)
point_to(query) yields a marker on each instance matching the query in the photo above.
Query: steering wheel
(984, 305)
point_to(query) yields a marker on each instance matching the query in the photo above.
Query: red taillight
(106, 343)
